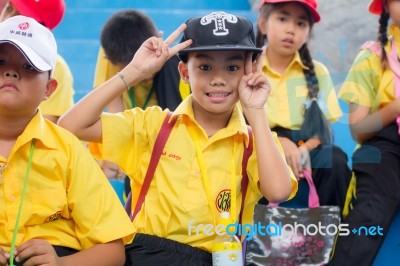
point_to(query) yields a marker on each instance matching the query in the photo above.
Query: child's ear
(50, 88)
(262, 25)
(183, 71)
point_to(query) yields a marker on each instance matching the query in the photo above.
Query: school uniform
(63, 97)
(285, 112)
(177, 197)
(166, 89)
(376, 162)
(68, 201)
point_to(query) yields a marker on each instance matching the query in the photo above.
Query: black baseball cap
(219, 31)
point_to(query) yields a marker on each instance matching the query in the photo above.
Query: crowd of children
(223, 76)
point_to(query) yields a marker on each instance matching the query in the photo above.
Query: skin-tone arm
(116, 105)
(40, 252)
(275, 183)
(364, 124)
(292, 153)
(149, 59)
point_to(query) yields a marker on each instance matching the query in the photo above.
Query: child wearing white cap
(199, 174)
(57, 207)
(49, 13)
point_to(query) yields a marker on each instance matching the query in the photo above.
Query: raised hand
(154, 52)
(254, 87)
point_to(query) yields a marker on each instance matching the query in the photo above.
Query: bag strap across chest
(159, 145)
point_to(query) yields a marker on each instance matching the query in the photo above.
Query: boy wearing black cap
(57, 207)
(200, 167)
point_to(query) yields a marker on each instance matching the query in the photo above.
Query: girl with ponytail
(303, 102)
(372, 89)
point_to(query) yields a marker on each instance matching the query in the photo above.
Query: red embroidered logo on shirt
(172, 155)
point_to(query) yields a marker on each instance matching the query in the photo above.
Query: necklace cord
(14, 237)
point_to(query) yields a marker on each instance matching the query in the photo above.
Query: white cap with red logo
(35, 41)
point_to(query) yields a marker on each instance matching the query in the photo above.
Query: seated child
(57, 207)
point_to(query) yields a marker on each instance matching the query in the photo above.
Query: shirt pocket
(48, 205)
(192, 194)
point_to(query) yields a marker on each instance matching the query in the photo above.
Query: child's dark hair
(382, 36)
(315, 123)
(123, 34)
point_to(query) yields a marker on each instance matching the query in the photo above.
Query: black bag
(294, 236)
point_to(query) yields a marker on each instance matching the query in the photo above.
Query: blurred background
(344, 26)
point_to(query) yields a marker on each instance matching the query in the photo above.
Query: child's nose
(11, 74)
(290, 27)
(217, 82)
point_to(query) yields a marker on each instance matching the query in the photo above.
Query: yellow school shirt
(68, 200)
(63, 97)
(286, 103)
(177, 198)
(105, 70)
(367, 83)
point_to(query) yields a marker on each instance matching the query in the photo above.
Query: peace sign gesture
(254, 87)
(154, 52)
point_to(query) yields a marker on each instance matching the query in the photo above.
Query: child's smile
(218, 96)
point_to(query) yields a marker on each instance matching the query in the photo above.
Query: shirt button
(12, 197)
(198, 174)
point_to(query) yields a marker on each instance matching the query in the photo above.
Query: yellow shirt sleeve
(367, 83)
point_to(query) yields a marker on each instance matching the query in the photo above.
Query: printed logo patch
(23, 26)
(219, 18)
(223, 200)
(53, 217)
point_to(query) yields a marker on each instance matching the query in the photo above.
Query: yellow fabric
(367, 83)
(105, 70)
(177, 196)
(63, 97)
(350, 195)
(68, 200)
(285, 104)
(140, 93)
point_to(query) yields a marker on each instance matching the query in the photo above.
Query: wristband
(122, 76)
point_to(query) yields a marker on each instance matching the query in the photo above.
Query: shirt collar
(295, 61)
(236, 125)
(38, 129)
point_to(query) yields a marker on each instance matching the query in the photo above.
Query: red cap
(310, 4)
(47, 12)
(376, 7)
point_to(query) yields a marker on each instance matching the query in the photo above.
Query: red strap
(245, 179)
(162, 138)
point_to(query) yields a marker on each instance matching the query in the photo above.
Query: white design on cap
(219, 18)
(35, 41)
